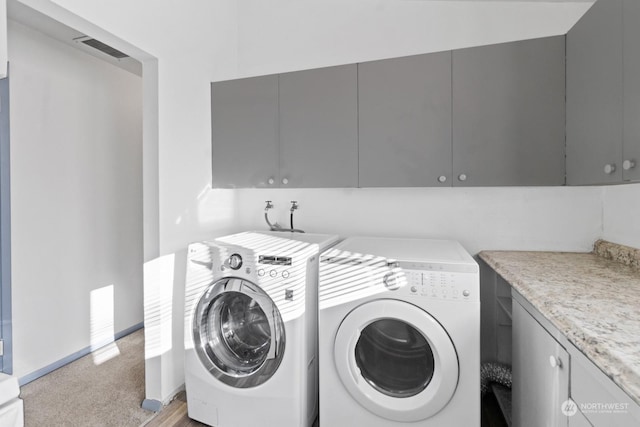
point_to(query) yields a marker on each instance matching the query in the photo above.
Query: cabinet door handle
(555, 362)
(462, 177)
(442, 179)
(609, 168)
(271, 181)
(285, 181)
(628, 164)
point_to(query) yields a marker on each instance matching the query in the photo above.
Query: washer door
(396, 360)
(238, 333)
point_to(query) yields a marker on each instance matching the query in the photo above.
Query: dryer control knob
(235, 261)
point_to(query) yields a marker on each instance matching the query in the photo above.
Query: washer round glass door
(396, 360)
(238, 333)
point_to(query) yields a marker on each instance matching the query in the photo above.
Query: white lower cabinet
(555, 384)
(601, 401)
(540, 374)
(579, 420)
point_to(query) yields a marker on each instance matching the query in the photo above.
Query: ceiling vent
(102, 47)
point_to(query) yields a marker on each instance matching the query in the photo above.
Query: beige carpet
(86, 394)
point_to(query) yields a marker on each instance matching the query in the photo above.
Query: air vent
(104, 48)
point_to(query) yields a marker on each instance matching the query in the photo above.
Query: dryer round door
(238, 333)
(396, 360)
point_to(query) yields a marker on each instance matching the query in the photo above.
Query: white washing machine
(251, 329)
(399, 334)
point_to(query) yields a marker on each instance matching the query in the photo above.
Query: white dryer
(399, 334)
(251, 329)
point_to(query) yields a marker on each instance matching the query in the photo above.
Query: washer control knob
(466, 293)
(390, 282)
(235, 261)
(414, 289)
(273, 273)
(285, 274)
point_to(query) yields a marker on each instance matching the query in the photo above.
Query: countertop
(591, 298)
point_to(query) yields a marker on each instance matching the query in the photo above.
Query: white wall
(621, 214)
(292, 35)
(513, 218)
(203, 41)
(76, 205)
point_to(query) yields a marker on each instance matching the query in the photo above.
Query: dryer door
(238, 333)
(396, 360)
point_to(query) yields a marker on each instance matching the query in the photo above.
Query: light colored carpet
(86, 394)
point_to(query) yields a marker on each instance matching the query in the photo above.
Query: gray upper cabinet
(631, 70)
(595, 95)
(318, 128)
(483, 116)
(405, 121)
(245, 132)
(509, 114)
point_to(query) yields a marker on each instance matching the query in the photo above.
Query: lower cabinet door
(540, 374)
(579, 420)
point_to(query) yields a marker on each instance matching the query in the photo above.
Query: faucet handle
(269, 205)
(294, 205)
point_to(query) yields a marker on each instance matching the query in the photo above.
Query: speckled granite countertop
(592, 298)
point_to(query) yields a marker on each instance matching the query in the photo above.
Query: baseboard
(156, 405)
(151, 405)
(26, 379)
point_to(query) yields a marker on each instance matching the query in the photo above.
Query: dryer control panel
(438, 283)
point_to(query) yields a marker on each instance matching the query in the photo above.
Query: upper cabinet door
(509, 114)
(405, 121)
(244, 117)
(594, 96)
(318, 128)
(631, 55)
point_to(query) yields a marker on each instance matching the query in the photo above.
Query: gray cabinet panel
(631, 57)
(594, 95)
(538, 388)
(405, 121)
(509, 113)
(244, 118)
(318, 128)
